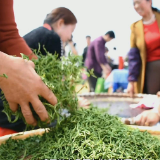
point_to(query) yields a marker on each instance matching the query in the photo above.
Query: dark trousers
(114, 67)
(152, 77)
(93, 81)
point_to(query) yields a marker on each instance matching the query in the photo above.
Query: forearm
(74, 51)
(3, 60)
(10, 41)
(104, 67)
(134, 60)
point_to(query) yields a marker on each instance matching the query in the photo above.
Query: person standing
(144, 55)
(96, 58)
(84, 55)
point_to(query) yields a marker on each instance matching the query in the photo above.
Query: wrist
(2, 59)
(3, 66)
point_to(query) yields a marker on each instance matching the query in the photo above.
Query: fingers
(144, 121)
(33, 56)
(84, 103)
(40, 109)
(147, 118)
(48, 95)
(146, 124)
(152, 123)
(138, 120)
(27, 113)
(13, 106)
(86, 107)
(158, 93)
(31, 63)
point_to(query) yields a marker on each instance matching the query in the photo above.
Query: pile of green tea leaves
(61, 76)
(89, 134)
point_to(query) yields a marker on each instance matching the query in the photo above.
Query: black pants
(93, 81)
(114, 67)
(152, 77)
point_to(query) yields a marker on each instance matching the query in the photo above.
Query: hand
(83, 102)
(70, 43)
(23, 86)
(107, 71)
(158, 93)
(147, 118)
(32, 56)
(130, 88)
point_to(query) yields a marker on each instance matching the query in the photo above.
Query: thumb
(32, 64)
(158, 93)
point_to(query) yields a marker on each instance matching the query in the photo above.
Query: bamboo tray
(24, 135)
(103, 101)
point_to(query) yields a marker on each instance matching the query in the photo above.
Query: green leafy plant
(87, 133)
(61, 76)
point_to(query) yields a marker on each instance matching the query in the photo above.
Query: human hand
(71, 44)
(83, 103)
(32, 56)
(147, 118)
(130, 88)
(23, 86)
(106, 71)
(109, 69)
(158, 93)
